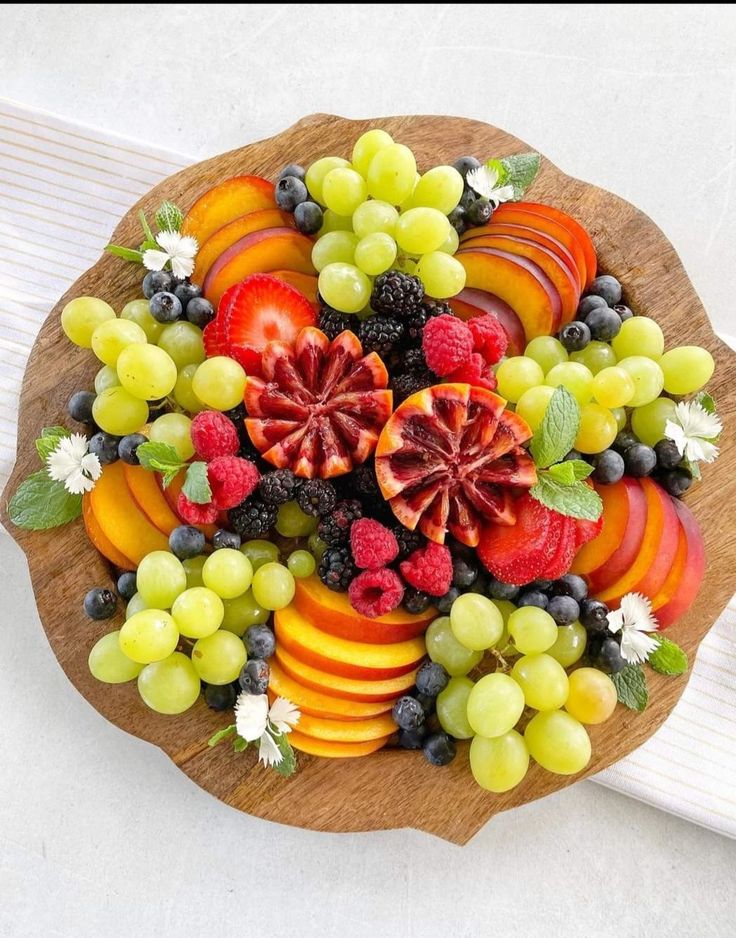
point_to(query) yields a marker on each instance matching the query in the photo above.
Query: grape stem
(501, 663)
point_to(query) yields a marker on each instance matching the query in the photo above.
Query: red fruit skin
(213, 435)
(373, 546)
(193, 513)
(566, 548)
(429, 569)
(476, 372)
(262, 309)
(375, 593)
(587, 530)
(489, 338)
(447, 343)
(521, 553)
(232, 480)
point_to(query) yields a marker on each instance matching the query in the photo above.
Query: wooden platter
(391, 788)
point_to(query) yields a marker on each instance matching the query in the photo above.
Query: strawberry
(521, 552)
(566, 548)
(586, 531)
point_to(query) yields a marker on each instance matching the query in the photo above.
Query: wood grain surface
(391, 788)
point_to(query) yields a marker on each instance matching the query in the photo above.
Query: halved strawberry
(523, 552)
(567, 546)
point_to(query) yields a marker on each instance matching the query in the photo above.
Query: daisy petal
(268, 752)
(168, 240)
(77, 483)
(637, 646)
(615, 621)
(155, 260)
(182, 266)
(283, 714)
(504, 194)
(251, 715)
(91, 466)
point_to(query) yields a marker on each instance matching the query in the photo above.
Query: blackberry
(415, 601)
(409, 541)
(409, 383)
(415, 321)
(278, 487)
(413, 360)
(252, 518)
(364, 481)
(334, 530)
(332, 322)
(317, 497)
(247, 450)
(381, 333)
(396, 293)
(336, 569)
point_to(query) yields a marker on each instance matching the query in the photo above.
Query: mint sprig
(577, 500)
(224, 733)
(41, 502)
(557, 431)
(161, 457)
(668, 658)
(570, 472)
(127, 254)
(49, 440)
(631, 687)
(196, 485)
(519, 171)
(287, 766)
(169, 217)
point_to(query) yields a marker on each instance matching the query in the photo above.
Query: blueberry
(572, 455)
(640, 460)
(127, 586)
(467, 199)
(105, 447)
(165, 307)
(624, 440)
(575, 336)
(479, 212)
(668, 455)
(571, 585)
(604, 323)
(439, 749)
(457, 219)
(480, 584)
(606, 287)
(532, 598)
(413, 739)
(259, 641)
(128, 447)
(80, 406)
(186, 541)
(200, 312)
(609, 467)
(594, 615)
(464, 164)
(254, 676)
(290, 192)
(563, 609)
(431, 678)
(610, 656)
(589, 303)
(464, 573)
(220, 696)
(292, 169)
(544, 585)
(157, 281)
(223, 538)
(415, 601)
(308, 217)
(500, 590)
(676, 481)
(186, 291)
(407, 713)
(427, 704)
(100, 603)
(444, 603)
(623, 311)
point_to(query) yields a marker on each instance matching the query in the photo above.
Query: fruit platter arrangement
(372, 475)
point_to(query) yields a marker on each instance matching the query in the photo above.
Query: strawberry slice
(521, 552)
(566, 549)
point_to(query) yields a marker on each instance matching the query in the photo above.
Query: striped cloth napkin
(62, 190)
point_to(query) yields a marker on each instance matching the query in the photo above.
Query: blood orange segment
(448, 458)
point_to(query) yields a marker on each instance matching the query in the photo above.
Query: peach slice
(335, 615)
(336, 685)
(171, 494)
(103, 544)
(340, 656)
(317, 704)
(470, 302)
(146, 492)
(624, 517)
(304, 283)
(347, 731)
(233, 231)
(332, 750)
(686, 575)
(575, 229)
(220, 205)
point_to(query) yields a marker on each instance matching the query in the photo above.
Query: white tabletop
(99, 833)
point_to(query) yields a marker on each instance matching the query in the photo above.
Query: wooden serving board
(392, 788)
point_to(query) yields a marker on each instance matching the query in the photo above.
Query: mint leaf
(668, 658)
(41, 503)
(240, 744)
(577, 500)
(287, 766)
(706, 401)
(169, 217)
(145, 226)
(196, 485)
(520, 171)
(558, 429)
(160, 457)
(631, 687)
(221, 734)
(49, 440)
(148, 246)
(127, 254)
(694, 469)
(573, 470)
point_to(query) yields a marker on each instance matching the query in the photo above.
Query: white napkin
(63, 188)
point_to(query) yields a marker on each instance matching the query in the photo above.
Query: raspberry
(214, 435)
(376, 592)
(232, 480)
(193, 513)
(476, 372)
(373, 545)
(447, 344)
(489, 337)
(429, 569)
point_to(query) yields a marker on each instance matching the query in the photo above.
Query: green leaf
(145, 226)
(573, 470)
(577, 500)
(41, 503)
(694, 469)
(668, 658)
(49, 439)
(499, 169)
(240, 744)
(196, 485)
(221, 734)
(520, 171)
(160, 457)
(631, 687)
(127, 254)
(558, 429)
(169, 217)
(287, 766)
(148, 246)
(706, 401)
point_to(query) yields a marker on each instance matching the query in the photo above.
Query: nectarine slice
(338, 686)
(304, 283)
(347, 731)
(469, 303)
(220, 205)
(575, 229)
(624, 517)
(233, 231)
(99, 540)
(332, 750)
(145, 490)
(317, 704)
(686, 575)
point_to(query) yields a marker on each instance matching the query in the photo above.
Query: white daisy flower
(283, 715)
(483, 181)
(251, 716)
(70, 462)
(176, 248)
(692, 430)
(268, 752)
(634, 619)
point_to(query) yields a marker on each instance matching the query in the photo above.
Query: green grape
(494, 705)
(373, 217)
(81, 316)
(451, 242)
(445, 649)
(532, 630)
(557, 741)
(592, 697)
(193, 570)
(273, 586)
(647, 375)
(639, 336)
(333, 222)
(569, 645)
(316, 173)
(135, 604)
(421, 230)
(440, 188)
(149, 635)
(475, 621)
(242, 612)
(170, 686)
(116, 411)
(146, 371)
(499, 764)
(317, 546)
(547, 351)
(366, 147)
(260, 551)
(375, 253)
(139, 311)
(575, 377)
(228, 572)
(619, 414)
(409, 200)
(613, 387)
(108, 664)
(182, 341)
(160, 578)
(293, 522)
(301, 564)
(336, 247)
(452, 707)
(198, 612)
(533, 404)
(516, 376)
(174, 429)
(407, 265)
(443, 276)
(112, 336)
(343, 190)
(686, 369)
(219, 382)
(106, 378)
(543, 680)
(344, 287)
(648, 422)
(183, 393)
(219, 658)
(391, 173)
(595, 356)
(598, 429)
